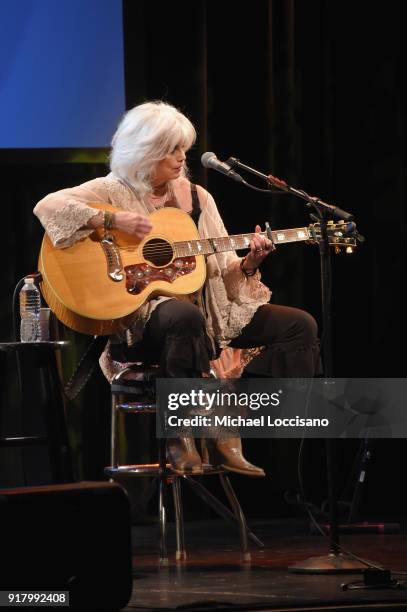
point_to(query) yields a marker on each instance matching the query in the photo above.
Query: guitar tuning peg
(349, 250)
(337, 250)
(330, 222)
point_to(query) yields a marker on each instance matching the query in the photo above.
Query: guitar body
(96, 286)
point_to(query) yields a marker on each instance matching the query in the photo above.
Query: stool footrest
(137, 407)
(153, 469)
(145, 469)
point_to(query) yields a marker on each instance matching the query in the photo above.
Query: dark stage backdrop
(313, 92)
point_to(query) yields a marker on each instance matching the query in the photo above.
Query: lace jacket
(231, 299)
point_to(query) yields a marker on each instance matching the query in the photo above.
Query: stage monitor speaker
(69, 537)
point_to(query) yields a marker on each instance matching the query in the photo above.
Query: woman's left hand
(260, 247)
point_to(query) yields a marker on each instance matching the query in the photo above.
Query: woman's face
(169, 168)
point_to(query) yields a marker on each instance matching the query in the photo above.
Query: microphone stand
(335, 562)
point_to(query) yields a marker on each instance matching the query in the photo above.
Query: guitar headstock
(343, 235)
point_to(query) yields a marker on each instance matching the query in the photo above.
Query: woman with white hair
(148, 172)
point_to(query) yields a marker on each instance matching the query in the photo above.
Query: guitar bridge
(113, 259)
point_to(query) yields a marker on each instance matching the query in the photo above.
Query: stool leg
(180, 554)
(220, 508)
(114, 453)
(231, 495)
(162, 503)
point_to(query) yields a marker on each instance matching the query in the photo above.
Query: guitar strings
(178, 244)
(240, 240)
(183, 247)
(166, 248)
(184, 244)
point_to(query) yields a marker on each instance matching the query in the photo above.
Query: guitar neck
(208, 246)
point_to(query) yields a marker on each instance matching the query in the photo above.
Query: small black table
(41, 390)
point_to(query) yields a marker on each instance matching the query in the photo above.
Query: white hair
(146, 134)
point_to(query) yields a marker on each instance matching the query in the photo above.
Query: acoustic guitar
(97, 285)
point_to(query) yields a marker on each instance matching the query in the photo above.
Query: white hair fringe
(146, 134)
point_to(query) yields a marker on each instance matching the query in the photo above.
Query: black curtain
(312, 92)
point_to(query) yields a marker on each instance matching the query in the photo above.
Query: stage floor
(213, 576)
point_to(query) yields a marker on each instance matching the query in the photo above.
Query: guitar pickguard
(139, 276)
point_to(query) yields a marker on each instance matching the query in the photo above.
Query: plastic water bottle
(30, 307)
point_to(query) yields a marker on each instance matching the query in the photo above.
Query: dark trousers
(175, 337)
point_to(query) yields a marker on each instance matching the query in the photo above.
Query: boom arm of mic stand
(232, 162)
(320, 205)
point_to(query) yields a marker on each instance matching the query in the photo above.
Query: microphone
(209, 160)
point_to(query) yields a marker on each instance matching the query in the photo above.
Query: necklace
(160, 190)
(150, 201)
(159, 200)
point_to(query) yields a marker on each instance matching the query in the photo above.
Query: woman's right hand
(132, 223)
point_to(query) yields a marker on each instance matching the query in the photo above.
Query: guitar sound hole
(158, 252)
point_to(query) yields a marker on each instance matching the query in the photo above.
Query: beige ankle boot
(226, 453)
(183, 456)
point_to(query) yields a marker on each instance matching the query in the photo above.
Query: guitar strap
(196, 206)
(85, 367)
